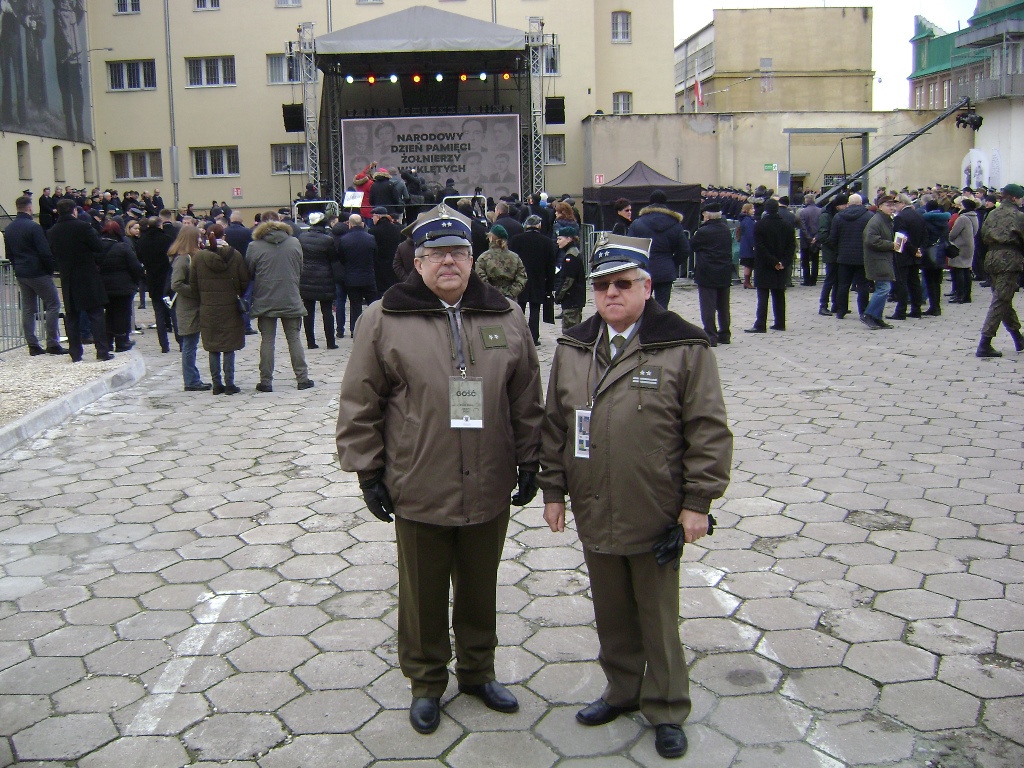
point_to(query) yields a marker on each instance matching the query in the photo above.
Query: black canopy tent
(636, 185)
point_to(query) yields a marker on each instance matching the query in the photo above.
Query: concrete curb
(60, 410)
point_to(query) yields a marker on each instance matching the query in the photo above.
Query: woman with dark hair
(623, 216)
(218, 277)
(934, 262)
(961, 238)
(745, 236)
(186, 304)
(121, 272)
(565, 218)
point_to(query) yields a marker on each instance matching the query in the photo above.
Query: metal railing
(11, 334)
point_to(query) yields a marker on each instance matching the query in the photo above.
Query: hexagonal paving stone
(719, 635)
(928, 705)
(783, 756)
(18, 712)
(1011, 644)
(365, 578)
(378, 736)
(706, 602)
(162, 714)
(351, 634)
(288, 620)
(150, 751)
(560, 729)
(562, 611)
(801, 648)
(272, 654)
(757, 585)
(254, 692)
(884, 577)
(209, 639)
(43, 675)
(1000, 615)
(963, 586)
(234, 737)
(988, 678)
(859, 738)
(345, 669)
(98, 694)
(949, 637)
(1005, 717)
(765, 719)
(73, 641)
(832, 689)
(736, 674)
(913, 604)
(557, 644)
(101, 611)
(226, 608)
(330, 751)
(64, 738)
(573, 683)
(778, 613)
(359, 605)
(889, 661)
(192, 674)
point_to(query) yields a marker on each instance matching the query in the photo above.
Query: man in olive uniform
(439, 414)
(1003, 234)
(636, 435)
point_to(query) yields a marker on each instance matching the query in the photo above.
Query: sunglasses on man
(620, 285)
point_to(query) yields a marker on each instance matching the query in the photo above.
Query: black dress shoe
(306, 384)
(754, 330)
(104, 358)
(218, 389)
(56, 349)
(332, 346)
(916, 315)
(670, 741)
(933, 312)
(250, 332)
(231, 389)
(35, 349)
(894, 316)
(264, 387)
(494, 696)
(724, 339)
(425, 714)
(199, 387)
(313, 345)
(824, 312)
(601, 713)
(777, 327)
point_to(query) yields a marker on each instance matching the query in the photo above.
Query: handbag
(952, 252)
(243, 305)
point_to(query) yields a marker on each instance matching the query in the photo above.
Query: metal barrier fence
(11, 334)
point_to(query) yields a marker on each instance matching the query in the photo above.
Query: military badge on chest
(646, 377)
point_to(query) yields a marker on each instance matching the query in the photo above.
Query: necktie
(453, 318)
(618, 341)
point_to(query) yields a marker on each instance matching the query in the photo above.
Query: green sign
(771, 166)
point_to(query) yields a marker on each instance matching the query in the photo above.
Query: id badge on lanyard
(466, 402)
(582, 434)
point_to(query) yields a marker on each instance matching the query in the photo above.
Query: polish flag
(698, 94)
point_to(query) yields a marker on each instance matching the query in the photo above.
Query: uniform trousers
(715, 302)
(851, 276)
(430, 557)
(636, 604)
(535, 311)
(1004, 286)
(778, 297)
(907, 289)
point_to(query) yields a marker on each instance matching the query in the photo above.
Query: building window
(207, 5)
(282, 68)
(554, 149)
(58, 164)
(621, 27)
(369, 2)
(552, 60)
(128, 6)
(289, 3)
(622, 103)
(931, 95)
(24, 161)
(288, 158)
(88, 167)
(918, 97)
(215, 71)
(137, 164)
(131, 75)
(215, 161)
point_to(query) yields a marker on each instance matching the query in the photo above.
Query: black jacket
(238, 236)
(537, 252)
(152, 249)
(774, 243)
(511, 226)
(909, 222)
(316, 282)
(78, 250)
(388, 236)
(27, 248)
(847, 234)
(120, 268)
(357, 251)
(670, 247)
(571, 295)
(712, 250)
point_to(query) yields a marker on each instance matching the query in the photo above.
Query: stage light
(371, 79)
(463, 77)
(393, 78)
(483, 75)
(439, 77)
(416, 78)
(969, 120)
(505, 76)
(350, 79)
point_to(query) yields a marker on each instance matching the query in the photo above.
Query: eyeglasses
(437, 256)
(620, 285)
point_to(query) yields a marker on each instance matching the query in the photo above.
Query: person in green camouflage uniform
(500, 267)
(1003, 233)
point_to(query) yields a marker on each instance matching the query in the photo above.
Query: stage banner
(474, 150)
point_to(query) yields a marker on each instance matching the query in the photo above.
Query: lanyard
(593, 362)
(453, 318)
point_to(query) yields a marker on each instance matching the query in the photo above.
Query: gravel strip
(28, 383)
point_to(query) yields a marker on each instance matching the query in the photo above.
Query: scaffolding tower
(310, 112)
(535, 46)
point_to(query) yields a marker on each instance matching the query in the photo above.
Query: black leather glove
(669, 546)
(377, 498)
(527, 488)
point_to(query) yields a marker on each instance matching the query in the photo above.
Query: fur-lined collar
(662, 209)
(266, 227)
(658, 328)
(414, 296)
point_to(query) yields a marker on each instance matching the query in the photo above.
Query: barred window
(217, 70)
(288, 158)
(282, 68)
(289, 3)
(131, 75)
(215, 161)
(128, 6)
(554, 149)
(130, 165)
(207, 5)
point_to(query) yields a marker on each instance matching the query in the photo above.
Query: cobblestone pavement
(189, 579)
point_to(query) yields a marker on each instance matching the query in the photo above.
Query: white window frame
(88, 167)
(287, 154)
(621, 99)
(204, 70)
(120, 74)
(554, 149)
(127, 7)
(59, 174)
(24, 161)
(622, 27)
(137, 164)
(285, 65)
(288, 3)
(552, 54)
(207, 5)
(212, 157)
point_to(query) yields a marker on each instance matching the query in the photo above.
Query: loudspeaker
(294, 121)
(554, 110)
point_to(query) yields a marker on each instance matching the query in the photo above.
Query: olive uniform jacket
(659, 440)
(394, 415)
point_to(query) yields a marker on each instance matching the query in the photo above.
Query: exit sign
(236, 192)
(599, 178)
(771, 166)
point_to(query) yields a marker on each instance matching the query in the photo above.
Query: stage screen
(475, 150)
(43, 50)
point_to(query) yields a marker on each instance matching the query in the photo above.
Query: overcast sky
(893, 28)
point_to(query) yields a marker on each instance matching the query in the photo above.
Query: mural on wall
(975, 170)
(44, 86)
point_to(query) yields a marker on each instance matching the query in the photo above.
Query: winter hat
(658, 197)
(499, 231)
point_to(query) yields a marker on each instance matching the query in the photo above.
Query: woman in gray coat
(879, 247)
(186, 304)
(961, 236)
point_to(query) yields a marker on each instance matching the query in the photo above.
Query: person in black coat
(670, 248)
(478, 230)
(78, 249)
(503, 217)
(712, 272)
(907, 287)
(121, 272)
(357, 251)
(623, 216)
(238, 236)
(154, 241)
(316, 281)
(537, 252)
(847, 235)
(388, 236)
(774, 249)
